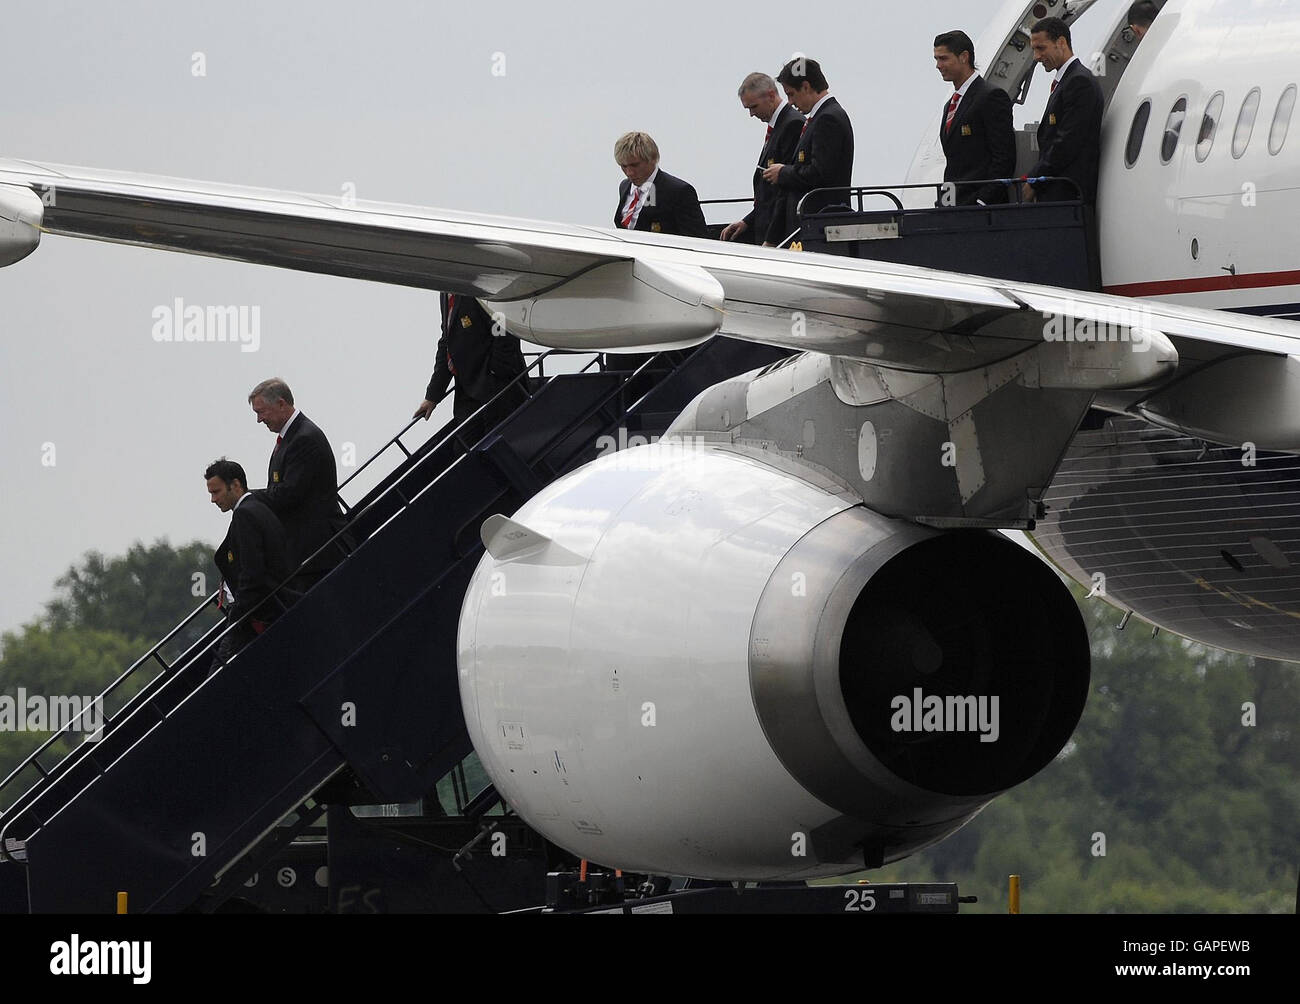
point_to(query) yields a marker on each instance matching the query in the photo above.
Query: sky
(505, 109)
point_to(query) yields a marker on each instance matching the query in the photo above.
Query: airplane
(819, 538)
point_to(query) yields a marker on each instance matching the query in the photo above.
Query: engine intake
(906, 676)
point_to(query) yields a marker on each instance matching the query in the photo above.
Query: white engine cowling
(690, 662)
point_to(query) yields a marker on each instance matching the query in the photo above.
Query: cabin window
(1245, 123)
(1136, 133)
(1281, 121)
(1173, 129)
(1209, 126)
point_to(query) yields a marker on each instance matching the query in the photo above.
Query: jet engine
(694, 659)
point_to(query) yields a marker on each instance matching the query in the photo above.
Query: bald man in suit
(760, 97)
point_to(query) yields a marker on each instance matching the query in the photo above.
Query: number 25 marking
(859, 900)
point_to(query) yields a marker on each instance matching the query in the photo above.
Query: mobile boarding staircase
(351, 693)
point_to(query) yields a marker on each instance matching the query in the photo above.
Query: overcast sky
(400, 101)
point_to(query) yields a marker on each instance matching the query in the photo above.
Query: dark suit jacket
(769, 213)
(1069, 137)
(253, 559)
(823, 158)
(980, 144)
(673, 208)
(302, 490)
(483, 362)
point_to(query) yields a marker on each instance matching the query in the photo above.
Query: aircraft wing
(589, 288)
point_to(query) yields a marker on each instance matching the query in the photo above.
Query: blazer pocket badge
(656, 228)
(1051, 119)
(466, 321)
(275, 476)
(771, 161)
(965, 130)
(230, 557)
(801, 153)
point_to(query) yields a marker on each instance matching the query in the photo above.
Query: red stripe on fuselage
(1213, 284)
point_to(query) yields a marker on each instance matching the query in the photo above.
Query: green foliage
(49, 662)
(1199, 811)
(106, 615)
(142, 594)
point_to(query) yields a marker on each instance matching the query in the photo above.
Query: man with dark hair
(1140, 16)
(1069, 136)
(252, 559)
(978, 136)
(301, 480)
(823, 157)
(759, 96)
(483, 358)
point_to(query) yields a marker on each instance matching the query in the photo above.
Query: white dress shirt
(961, 93)
(646, 191)
(818, 105)
(1061, 72)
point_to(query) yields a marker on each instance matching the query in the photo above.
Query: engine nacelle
(691, 662)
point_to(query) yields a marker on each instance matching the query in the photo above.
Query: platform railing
(193, 656)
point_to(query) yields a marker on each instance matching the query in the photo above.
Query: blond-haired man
(650, 199)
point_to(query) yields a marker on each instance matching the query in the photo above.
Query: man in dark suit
(978, 136)
(301, 481)
(1069, 136)
(252, 559)
(759, 96)
(650, 199)
(823, 157)
(1140, 17)
(483, 358)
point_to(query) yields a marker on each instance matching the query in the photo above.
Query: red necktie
(451, 312)
(952, 112)
(451, 309)
(631, 210)
(1054, 83)
(278, 441)
(769, 134)
(805, 126)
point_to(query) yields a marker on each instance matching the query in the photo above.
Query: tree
(107, 614)
(142, 594)
(1166, 799)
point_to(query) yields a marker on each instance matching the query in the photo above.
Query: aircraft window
(1173, 129)
(1137, 132)
(1209, 126)
(1245, 123)
(1281, 120)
